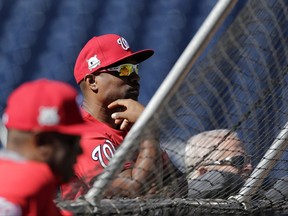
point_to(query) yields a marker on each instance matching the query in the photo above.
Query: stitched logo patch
(48, 116)
(93, 62)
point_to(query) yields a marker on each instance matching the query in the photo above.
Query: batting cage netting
(229, 110)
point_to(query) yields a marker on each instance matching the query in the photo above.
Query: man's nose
(248, 168)
(134, 77)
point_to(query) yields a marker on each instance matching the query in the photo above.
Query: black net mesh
(239, 86)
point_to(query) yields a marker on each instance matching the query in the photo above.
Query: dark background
(42, 38)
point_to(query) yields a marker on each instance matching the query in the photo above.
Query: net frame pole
(268, 161)
(170, 84)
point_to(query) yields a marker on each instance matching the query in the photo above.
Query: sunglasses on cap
(238, 161)
(124, 69)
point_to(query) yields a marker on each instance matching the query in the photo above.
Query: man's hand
(144, 178)
(131, 110)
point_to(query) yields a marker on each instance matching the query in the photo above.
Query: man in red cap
(44, 125)
(107, 73)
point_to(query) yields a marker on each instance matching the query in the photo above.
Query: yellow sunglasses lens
(126, 69)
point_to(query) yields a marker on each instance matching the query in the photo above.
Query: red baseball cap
(45, 105)
(103, 51)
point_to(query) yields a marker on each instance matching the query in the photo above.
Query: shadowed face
(111, 86)
(118, 81)
(64, 150)
(213, 150)
(230, 156)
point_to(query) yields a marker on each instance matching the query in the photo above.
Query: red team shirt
(98, 149)
(27, 188)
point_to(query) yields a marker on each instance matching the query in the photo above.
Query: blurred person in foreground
(217, 164)
(106, 71)
(44, 126)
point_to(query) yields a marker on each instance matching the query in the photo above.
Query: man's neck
(102, 114)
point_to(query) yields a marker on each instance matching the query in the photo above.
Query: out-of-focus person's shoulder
(26, 176)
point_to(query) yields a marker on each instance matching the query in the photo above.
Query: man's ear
(202, 170)
(91, 81)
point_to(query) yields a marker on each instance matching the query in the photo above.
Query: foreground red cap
(103, 51)
(45, 105)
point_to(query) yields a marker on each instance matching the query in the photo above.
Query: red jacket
(98, 149)
(27, 188)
